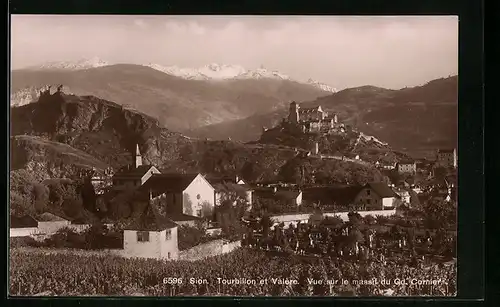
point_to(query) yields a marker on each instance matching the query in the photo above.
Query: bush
(382, 220)
(188, 236)
(23, 242)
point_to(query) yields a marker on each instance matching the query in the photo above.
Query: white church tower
(138, 157)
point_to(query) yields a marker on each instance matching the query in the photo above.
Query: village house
(230, 188)
(446, 158)
(372, 196)
(378, 195)
(134, 175)
(407, 166)
(189, 194)
(404, 195)
(22, 226)
(151, 235)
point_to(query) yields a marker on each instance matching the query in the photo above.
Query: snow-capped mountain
(226, 72)
(208, 72)
(73, 65)
(322, 86)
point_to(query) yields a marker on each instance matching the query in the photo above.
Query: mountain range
(178, 103)
(228, 101)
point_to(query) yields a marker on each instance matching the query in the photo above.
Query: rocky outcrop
(32, 94)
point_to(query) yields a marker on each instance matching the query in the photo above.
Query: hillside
(108, 132)
(411, 119)
(48, 159)
(178, 104)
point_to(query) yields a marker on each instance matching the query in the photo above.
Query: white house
(151, 236)
(189, 194)
(407, 166)
(377, 195)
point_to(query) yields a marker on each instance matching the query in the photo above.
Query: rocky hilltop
(90, 127)
(412, 119)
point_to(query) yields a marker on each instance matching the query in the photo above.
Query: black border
(471, 282)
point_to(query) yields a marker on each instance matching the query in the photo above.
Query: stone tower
(293, 116)
(138, 157)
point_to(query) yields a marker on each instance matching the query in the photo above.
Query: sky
(341, 51)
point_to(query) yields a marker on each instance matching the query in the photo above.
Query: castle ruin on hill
(313, 120)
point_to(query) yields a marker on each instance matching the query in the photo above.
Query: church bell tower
(138, 157)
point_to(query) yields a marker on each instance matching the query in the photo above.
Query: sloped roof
(231, 187)
(150, 220)
(49, 217)
(133, 172)
(381, 189)
(220, 179)
(22, 222)
(340, 195)
(278, 195)
(161, 183)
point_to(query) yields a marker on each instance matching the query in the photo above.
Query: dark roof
(340, 195)
(447, 151)
(22, 222)
(161, 183)
(231, 187)
(49, 217)
(133, 172)
(381, 189)
(220, 179)
(183, 217)
(150, 220)
(407, 161)
(278, 195)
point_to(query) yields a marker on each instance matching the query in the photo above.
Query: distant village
(187, 199)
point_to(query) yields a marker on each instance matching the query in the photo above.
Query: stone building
(446, 157)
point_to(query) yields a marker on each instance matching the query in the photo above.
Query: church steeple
(138, 157)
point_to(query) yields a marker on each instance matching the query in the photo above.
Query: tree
(40, 194)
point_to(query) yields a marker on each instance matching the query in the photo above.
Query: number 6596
(172, 281)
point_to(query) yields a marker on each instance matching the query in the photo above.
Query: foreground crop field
(258, 273)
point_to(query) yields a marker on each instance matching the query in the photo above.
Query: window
(198, 196)
(168, 255)
(143, 236)
(168, 234)
(368, 201)
(368, 192)
(198, 212)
